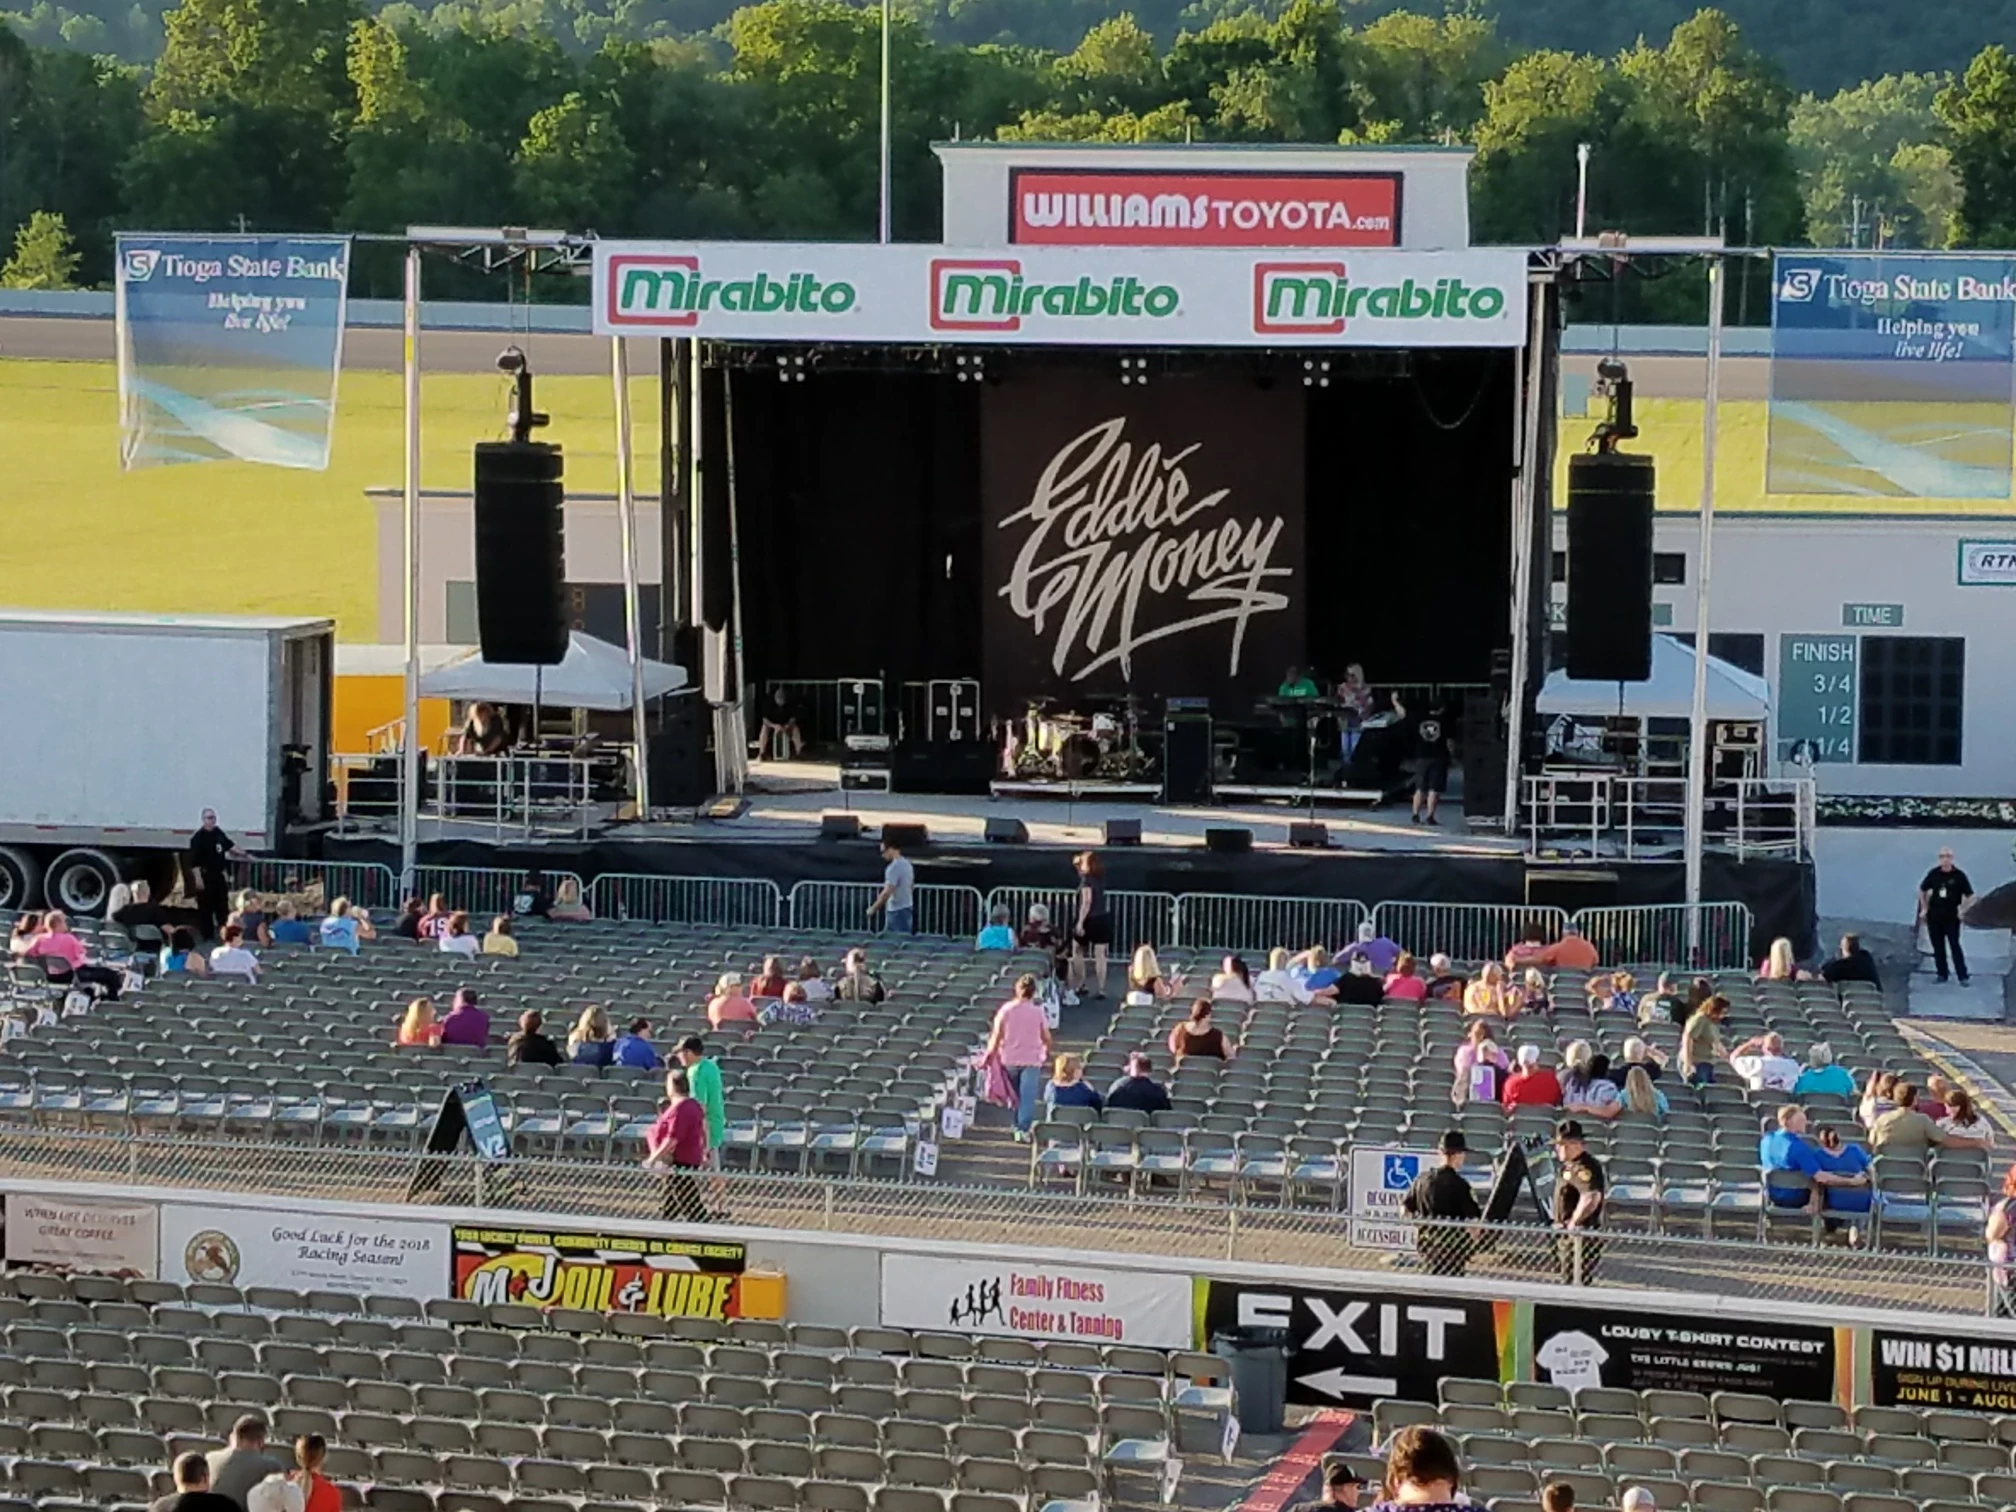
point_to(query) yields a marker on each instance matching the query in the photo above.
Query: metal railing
(942, 909)
(365, 883)
(1464, 931)
(481, 889)
(1659, 932)
(1631, 818)
(753, 901)
(516, 794)
(1227, 921)
(1127, 1220)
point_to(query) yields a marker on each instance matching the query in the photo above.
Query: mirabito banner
(229, 347)
(603, 1272)
(1073, 296)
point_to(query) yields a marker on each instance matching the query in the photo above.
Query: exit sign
(1872, 616)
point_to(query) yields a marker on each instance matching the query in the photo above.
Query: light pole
(1581, 190)
(1697, 721)
(885, 122)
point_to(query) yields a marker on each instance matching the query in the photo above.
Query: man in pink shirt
(677, 1145)
(466, 1024)
(1021, 1038)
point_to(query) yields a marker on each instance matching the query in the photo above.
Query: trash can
(1258, 1358)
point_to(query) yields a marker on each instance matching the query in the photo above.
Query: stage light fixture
(1315, 372)
(1133, 370)
(791, 367)
(969, 369)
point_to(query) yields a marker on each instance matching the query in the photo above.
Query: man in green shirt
(705, 1079)
(1297, 684)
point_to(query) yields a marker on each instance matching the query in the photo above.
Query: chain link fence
(1126, 1221)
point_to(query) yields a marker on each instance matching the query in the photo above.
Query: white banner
(1074, 296)
(1037, 1300)
(1379, 1179)
(87, 1236)
(303, 1250)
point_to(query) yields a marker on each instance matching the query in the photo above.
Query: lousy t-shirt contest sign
(229, 346)
(1033, 1299)
(1586, 1346)
(1074, 296)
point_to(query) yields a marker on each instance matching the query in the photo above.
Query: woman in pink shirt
(1021, 1037)
(1403, 984)
(730, 1004)
(1481, 1067)
(56, 940)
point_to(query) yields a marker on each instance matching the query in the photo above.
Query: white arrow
(1338, 1384)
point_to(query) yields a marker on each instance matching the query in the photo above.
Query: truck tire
(20, 879)
(80, 882)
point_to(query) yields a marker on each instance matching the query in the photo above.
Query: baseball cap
(1453, 1143)
(1568, 1128)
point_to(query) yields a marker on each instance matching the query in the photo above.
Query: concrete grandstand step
(1979, 1000)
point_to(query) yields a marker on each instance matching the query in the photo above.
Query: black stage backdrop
(1410, 519)
(1144, 538)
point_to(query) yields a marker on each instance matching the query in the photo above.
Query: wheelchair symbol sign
(1400, 1171)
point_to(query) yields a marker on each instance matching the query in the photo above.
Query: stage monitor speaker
(1123, 831)
(521, 553)
(839, 826)
(1228, 842)
(907, 837)
(1307, 834)
(1186, 758)
(1007, 832)
(961, 767)
(682, 768)
(1610, 567)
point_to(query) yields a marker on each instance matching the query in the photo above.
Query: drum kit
(1100, 743)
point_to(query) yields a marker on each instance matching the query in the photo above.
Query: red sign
(1126, 208)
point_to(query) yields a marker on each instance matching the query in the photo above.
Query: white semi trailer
(118, 730)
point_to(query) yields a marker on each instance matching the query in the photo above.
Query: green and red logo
(1319, 299)
(990, 294)
(672, 291)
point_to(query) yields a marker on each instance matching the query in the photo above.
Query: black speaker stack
(1610, 567)
(1186, 751)
(682, 768)
(521, 555)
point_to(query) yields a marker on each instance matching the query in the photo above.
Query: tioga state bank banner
(1144, 538)
(1085, 296)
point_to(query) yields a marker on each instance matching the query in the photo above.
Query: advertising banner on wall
(1146, 207)
(1352, 1348)
(84, 1236)
(229, 346)
(1892, 375)
(1921, 1370)
(1036, 1299)
(603, 1272)
(1141, 538)
(1587, 1346)
(304, 1250)
(1074, 296)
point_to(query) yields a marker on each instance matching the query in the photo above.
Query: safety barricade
(1657, 932)
(1465, 931)
(943, 909)
(364, 883)
(1232, 921)
(754, 901)
(489, 889)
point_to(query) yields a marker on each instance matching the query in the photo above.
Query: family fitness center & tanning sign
(1085, 296)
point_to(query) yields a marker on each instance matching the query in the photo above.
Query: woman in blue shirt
(998, 935)
(1068, 1087)
(1822, 1075)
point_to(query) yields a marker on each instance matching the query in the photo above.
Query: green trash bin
(1258, 1360)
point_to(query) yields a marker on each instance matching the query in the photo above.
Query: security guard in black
(1443, 1193)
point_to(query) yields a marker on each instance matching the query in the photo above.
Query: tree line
(305, 115)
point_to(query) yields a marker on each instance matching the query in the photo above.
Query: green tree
(574, 168)
(286, 55)
(1979, 112)
(1422, 78)
(44, 256)
(1877, 144)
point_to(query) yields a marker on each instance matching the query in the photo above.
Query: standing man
(1578, 1204)
(244, 1462)
(1340, 1489)
(1941, 896)
(899, 890)
(1431, 766)
(1443, 1193)
(209, 849)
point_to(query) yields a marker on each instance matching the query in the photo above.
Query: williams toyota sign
(1058, 295)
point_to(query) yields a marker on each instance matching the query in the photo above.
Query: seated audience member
(500, 941)
(1878, 1097)
(1422, 1473)
(276, 1493)
(231, 958)
(1487, 993)
(1530, 951)
(251, 918)
(770, 981)
(1234, 982)
(455, 938)
(1315, 968)
(1763, 1064)
(1587, 1090)
(1822, 1075)
(1701, 1041)
(1403, 983)
(1445, 983)
(419, 1026)
(1138, 1089)
(1370, 946)
(817, 988)
(179, 957)
(1145, 983)
(289, 928)
(192, 1491)
(407, 925)
(1036, 933)
(340, 931)
(857, 984)
(1481, 1066)
(27, 927)
(1853, 964)
(730, 1004)
(1664, 1004)
(1639, 1056)
(1531, 1085)
(1533, 995)
(467, 1024)
(1905, 1130)
(1068, 1087)
(1198, 1036)
(1932, 1101)
(591, 1043)
(634, 1047)
(434, 919)
(1572, 952)
(1965, 1126)
(140, 910)
(568, 906)
(1281, 983)
(1838, 1176)
(55, 941)
(1780, 965)
(1640, 1096)
(999, 933)
(533, 900)
(1616, 992)
(792, 1008)
(531, 1045)
(1361, 984)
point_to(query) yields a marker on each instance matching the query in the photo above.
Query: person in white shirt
(817, 988)
(1763, 1064)
(1281, 983)
(455, 937)
(1234, 983)
(231, 958)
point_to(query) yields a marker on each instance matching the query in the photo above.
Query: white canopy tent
(1667, 694)
(594, 675)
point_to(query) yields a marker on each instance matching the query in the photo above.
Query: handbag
(1000, 1089)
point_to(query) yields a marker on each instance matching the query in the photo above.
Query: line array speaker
(906, 836)
(1004, 831)
(1610, 567)
(1123, 832)
(521, 554)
